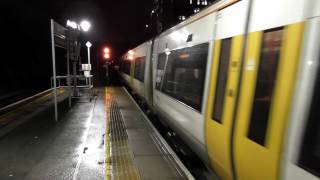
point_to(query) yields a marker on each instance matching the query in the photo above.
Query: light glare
(106, 56)
(88, 44)
(106, 50)
(85, 25)
(72, 24)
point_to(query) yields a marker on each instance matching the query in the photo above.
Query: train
(239, 83)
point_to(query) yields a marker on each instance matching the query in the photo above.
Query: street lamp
(85, 25)
(72, 24)
(88, 44)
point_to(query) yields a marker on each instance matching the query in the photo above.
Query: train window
(224, 60)
(126, 66)
(310, 149)
(139, 68)
(160, 69)
(267, 72)
(185, 74)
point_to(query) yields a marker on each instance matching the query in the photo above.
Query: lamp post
(74, 32)
(88, 44)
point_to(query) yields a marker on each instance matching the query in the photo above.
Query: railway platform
(107, 138)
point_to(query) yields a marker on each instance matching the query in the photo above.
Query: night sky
(26, 58)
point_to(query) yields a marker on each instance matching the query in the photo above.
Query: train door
(225, 70)
(267, 85)
(302, 155)
(148, 74)
(132, 65)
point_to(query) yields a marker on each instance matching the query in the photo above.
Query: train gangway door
(223, 89)
(265, 98)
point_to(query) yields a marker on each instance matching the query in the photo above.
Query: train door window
(310, 149)
(224, 60)
(267, 72)
(185, 74)
(139, 68)
(126, 66)
(160, 69)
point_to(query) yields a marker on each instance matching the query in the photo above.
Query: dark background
(119, 24)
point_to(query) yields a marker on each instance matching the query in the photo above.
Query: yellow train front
(238, 82)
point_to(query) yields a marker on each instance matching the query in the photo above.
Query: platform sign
(58, 39)
(60, 32)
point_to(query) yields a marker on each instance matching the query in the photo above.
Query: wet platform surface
(70, 149)
(136, 148)
(107, 138)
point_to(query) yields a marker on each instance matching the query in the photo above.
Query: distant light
(106, 56)
(152, 11)
(184, 56)
(106, 50)
(182, 18)
(85, 25)
(88, 44)
(72, 24)
(147, 25)
(130, 57)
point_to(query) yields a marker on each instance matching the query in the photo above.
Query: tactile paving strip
(120, 163)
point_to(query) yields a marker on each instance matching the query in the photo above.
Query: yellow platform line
(119, 160)
(11, 115)
(107, 136)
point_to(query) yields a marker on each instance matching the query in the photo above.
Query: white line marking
(84, 138)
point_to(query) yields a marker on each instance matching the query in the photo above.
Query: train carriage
(238, 82)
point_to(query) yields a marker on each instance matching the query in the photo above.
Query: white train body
(214, 107)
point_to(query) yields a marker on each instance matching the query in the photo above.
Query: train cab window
(224, 60)
(185, 74)
(310, 149)
(160, 70)
(267, 72)
(139, 68)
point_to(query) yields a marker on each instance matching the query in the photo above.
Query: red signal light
(106, 50)
(106, 56)
(106, 53)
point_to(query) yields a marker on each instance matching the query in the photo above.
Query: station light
(85, 25)
(88, 44)
(72, 24)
